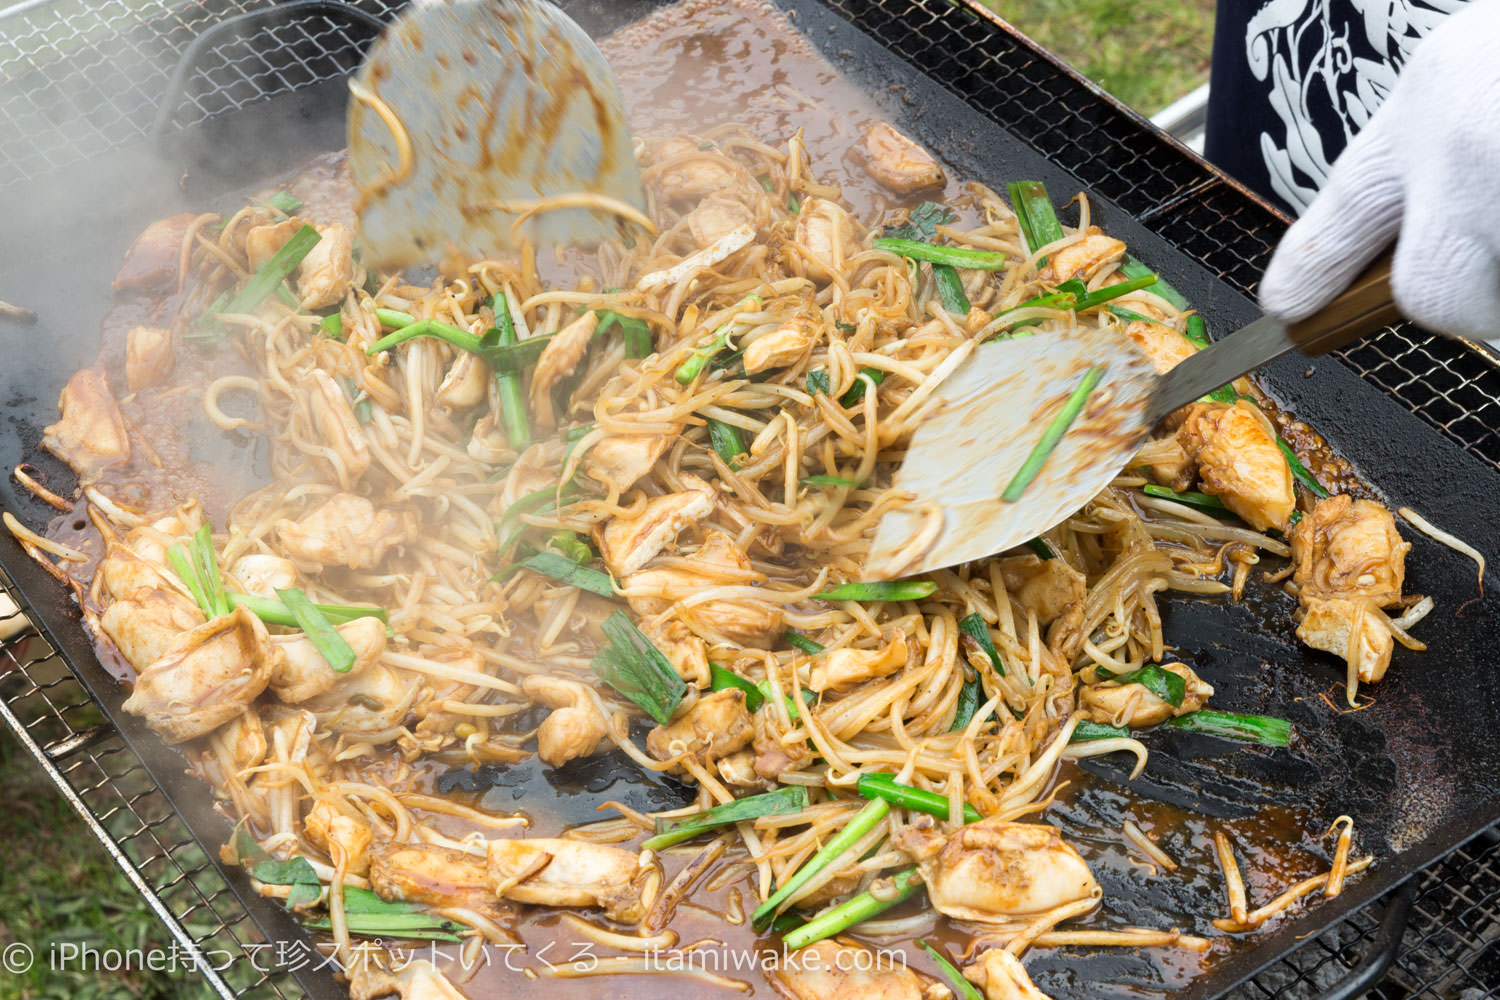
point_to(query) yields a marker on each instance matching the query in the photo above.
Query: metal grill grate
(81, 78)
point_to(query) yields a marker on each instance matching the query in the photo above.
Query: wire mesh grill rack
(79, 78)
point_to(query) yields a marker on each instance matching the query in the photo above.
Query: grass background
(58, 883)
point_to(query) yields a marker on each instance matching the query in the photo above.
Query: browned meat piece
(718, 561)
(618, 462)
(825, 231)
(1002, 977)
(1238, 461)
(261, 574)
(897, 162)
(715, 218)
(346, 530)
(559, 358)
(337, 427)
(148, 623)
(714, 727)
(1047, 586)
(846, 668)
(151, 262)
(685, 651)
(373, 704)
(148, 357)
(844, 969)
(436, 876)
(554, 871)
(210, 675)
(683, 172)
(778, 348)
(575, 726)
(1352, 630)
(1134, 706)
(629, 543)
(302, 673)
(1163, 345)
(263, 242)
(325, 273)
(1085, 258)
(1349, 548)
(466, 384)
(91, 435)
(343, 837)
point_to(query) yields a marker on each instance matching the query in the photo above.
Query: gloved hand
(1425, 172)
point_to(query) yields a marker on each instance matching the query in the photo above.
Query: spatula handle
(1364, 308)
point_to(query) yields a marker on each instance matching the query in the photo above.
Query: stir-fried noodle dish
(619, 501)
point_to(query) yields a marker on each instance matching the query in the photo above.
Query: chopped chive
(632, 665)
(537, 501)
(570, 545)
(208, 572)
(333, 326)
(274, 612)
(862, 823)
(968, 701)
(1132, 268)
(792, 205)
(1164, 684)
(858, 909)
(1099, 296)
(883, 590)
(512, 394)
(1206, 502)
(880, 785)
(1053, 434)
(274, 271)
(502, 358)
(974, 626)
(1299, 471)
(936, 253)
(950, 289)
(394, 318)
(1195, 332)
(777, 803)
(284, 202)
(961, 987)
(922, 222)
(411, 926)
(637, 332)
(856, 392)
(802, 642)
(823, 480)
(1263, 729)
(728, 443)
(1086, 731)
(187, 572)
(723, 679)
(1041, 548)
(1035, 214)
(334, 648)
(1130, 315)
(563, 570)
(693, 366)
(817, 381)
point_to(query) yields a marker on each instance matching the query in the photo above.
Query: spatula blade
(493, 105)
(985, 420)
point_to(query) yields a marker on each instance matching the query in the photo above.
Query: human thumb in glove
(1424, 172)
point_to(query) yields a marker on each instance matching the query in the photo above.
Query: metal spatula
(987, 417)
(468, 118)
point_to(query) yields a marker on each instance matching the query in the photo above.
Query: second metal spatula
(986, 419)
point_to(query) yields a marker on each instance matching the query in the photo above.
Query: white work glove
(1424, 172)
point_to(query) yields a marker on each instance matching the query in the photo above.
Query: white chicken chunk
(1047, 586)
(844, 969)
(418, 980)
(994, 871)
(246, 739)
(559, 358)
(683, 171)
(342, 837)
(629, 543)
(148, 357)
(842, 669)
(716, 217)
(1083, 259)
(826, 232)
(553, 871)
(149, 622)
(1239, 462)
(1135, 707)
(303, 673)
(325, 273)
(210, 675)
(263, 574)
(151, 261)
(346, 530)
(436, 876)
(1162, 345)
(90, 436)
(684, 650)
(466, 384)
(373, 704)
(618, 462)
(1002, 977)
(898, 163)
(1351, 549)
(714, 727)
(779, 348)
(575, 726)
(337, 428)
(1352, 630)
(262, 242)
(124, 571)
(718, 561)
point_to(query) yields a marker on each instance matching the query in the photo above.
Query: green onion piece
(862, 823)
(1053, 434)
(1196, 332)
(728, 443)
(537, 501)
(333, 647)
(777, 803)
(936, 253)
(858, 909)
(461, 339)
(884, 590)
(208, 571)
(950, 289)
(1167, 686)
(1041, 548)
(693, 366)
(962, 988)
(284, 202)
(333, 326)
(1085, 731)
(822, 480)
(1100, 296)
(410, 926)
(394, 318)
(792, 205)
(1130, 315)
(637, 332)
(273, 272)
(723, 679)
(802, 642)
(1263, 729)
(564, 570)
(1223, 394)
(274, 612)
(1034, 212)
(1299, 471)
(817, 381)
(922, 222)
(968, 701)
(187, 572)
(1206, 502)
(856, 391)
(570, 545)
(633, 666)
(512, 393)
(1132, 268)
(792, 711)
(292, 871)
(885, 787)
(974, 626)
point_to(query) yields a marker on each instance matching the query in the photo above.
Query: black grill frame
(1454, 388)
